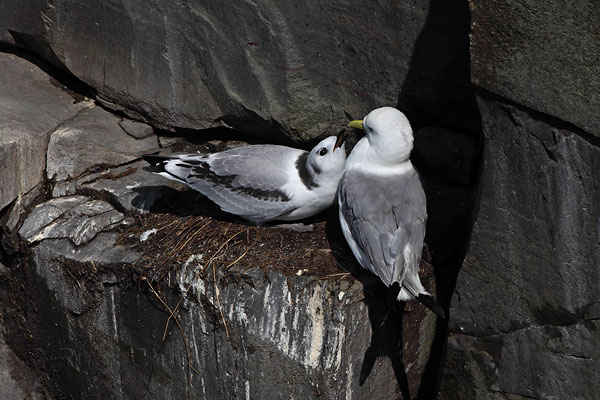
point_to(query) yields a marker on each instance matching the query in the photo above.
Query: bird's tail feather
(157, 163)
(158, 166)
(424, 298)
(430, 302)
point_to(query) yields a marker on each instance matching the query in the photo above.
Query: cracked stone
(77, 218)
(20, 205)
(135, 129)
(93, 138)
(45, 213)
(133, 188)
(30, 107)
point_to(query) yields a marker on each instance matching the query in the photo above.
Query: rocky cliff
(524, 316)
(118, 284)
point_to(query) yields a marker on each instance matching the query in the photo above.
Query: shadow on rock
(182, 203)
(385, 313)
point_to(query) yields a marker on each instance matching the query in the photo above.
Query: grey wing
(246, 181)
(385, 221)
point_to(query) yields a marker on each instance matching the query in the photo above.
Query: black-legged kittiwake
(382, 205)
(262, 182)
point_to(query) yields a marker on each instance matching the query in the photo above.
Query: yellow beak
(357, 123)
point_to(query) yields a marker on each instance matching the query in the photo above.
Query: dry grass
(228, 245)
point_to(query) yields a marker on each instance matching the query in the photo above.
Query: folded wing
(386, 224)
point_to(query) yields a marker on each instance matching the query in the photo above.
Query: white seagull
(382, 205)
(262, 182)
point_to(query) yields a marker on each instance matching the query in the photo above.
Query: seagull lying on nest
(383, 207)
(262, 182)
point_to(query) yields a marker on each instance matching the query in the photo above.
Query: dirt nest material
(167, 241)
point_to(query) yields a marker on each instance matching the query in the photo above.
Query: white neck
(366, 158)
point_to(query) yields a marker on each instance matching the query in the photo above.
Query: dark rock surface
(546, 58)
(524, 321)
(17, 380)
(266, 67)
(529, 284)
(304, 337)
(303, 330)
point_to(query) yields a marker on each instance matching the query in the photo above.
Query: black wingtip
(157, 163)
(431, 303)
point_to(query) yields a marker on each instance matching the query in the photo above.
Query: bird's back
(383, 218)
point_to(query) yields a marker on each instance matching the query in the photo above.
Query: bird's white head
(389, 134)
(326, 160)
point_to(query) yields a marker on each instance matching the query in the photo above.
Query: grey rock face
(93, 138)
(546, 58)
(305, 336)
(283, 337)
(77, 218)
(269, 69)
(128, 186)
(524, 316)
(83, 313)
(30, 107)
(17, 381)
(528, 288)
(265, 67)
(287, 333)
(136, 129)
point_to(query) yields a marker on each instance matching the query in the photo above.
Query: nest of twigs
(167, 241)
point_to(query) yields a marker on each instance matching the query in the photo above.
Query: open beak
(341, 138)
(357, 123)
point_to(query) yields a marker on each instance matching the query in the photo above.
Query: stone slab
(94, 138)
(544, 57)
(267, 68)
(527, 293)
(31, 106)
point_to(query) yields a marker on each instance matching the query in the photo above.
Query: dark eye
(323, 151)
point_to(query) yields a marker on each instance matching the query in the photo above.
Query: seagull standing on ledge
(382, 205)
(262, 182)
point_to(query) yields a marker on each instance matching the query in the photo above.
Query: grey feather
(383, 221)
